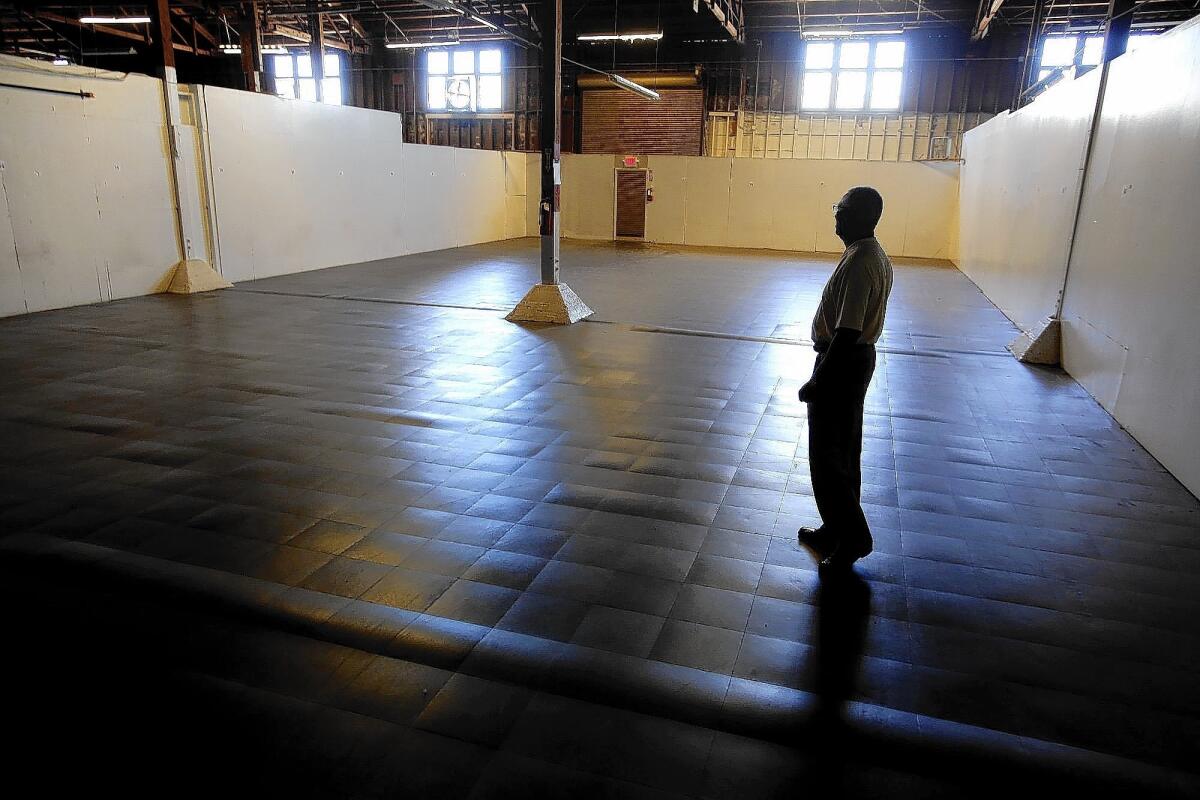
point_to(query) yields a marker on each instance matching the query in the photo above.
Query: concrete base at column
(1042, 345)
(191, 276)
(550, 302)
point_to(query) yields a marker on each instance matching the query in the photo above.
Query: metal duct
(651, 80)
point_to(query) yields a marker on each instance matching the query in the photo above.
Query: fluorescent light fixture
(809, 34)
(624, 37)
(414, 45)
(267, 50)
(114, 20)
(636, 88)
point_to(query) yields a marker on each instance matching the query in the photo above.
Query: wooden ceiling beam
(50, 16)
(199, 26)
(295, 34)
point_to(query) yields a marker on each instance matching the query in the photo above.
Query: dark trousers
(835, 447)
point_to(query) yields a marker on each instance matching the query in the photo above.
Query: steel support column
(550, 21)
(550, 300)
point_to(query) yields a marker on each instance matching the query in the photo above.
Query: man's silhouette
(847, 324)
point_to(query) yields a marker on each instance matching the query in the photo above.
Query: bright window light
(489, 61)
(464, 80)
(818, 55)
(889, 55)
(885, 90)
(294, 78)
(436, 91)
(854, 55)
(489, 93)
(1058, 51)
(851, 90)
(853, 75)
(817, 89)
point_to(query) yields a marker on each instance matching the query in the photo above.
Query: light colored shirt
(856, 295)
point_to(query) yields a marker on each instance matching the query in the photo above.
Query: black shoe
(843, 558)
(819, 542)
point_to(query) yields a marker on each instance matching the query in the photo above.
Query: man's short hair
(865, 204)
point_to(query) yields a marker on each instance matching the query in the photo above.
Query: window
(1068, 53)
(852, 75)
(463, 80)
(294, 78)
(1077, 54)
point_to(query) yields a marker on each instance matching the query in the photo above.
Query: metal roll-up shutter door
(631, 203)
(616, 121)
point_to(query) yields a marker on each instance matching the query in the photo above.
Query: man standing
(845, 329)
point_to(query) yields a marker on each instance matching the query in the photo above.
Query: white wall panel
(1019, 188)
(705, 200)
(90, 210)
(301, 186)
(588, 203)
(533, 190)
(783, 205)
(516, 165)
(1131, 331)
(752, 213)
(665, 214)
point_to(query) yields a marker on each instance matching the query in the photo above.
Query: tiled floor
(349, 533)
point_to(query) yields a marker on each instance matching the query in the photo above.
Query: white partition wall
(301, 186)
(86, 212)
(588, 184)
(1131, 317)
(1018, 193)
(1130, 327)
(782, 205)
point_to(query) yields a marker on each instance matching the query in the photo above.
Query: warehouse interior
(399, 398)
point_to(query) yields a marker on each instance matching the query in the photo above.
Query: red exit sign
(630, 161)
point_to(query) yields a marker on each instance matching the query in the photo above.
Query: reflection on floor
(342, 534)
